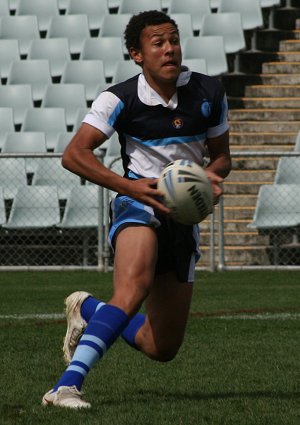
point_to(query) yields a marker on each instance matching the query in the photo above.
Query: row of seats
(36, 207)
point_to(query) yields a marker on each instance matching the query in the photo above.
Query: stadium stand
(211, 48)
(107, 49)
(125, 70)
(197, 9)
(51, 121)
(56, 50)
(94, 9)
(184, 23)
(9, 51)
(2, 208)
(42, 9)
(13, 175)
(49, 172)
(21, 28)
(35, 72)
(133, 6)
(80, 114)
(18, 97)
(34, 208)
(288, 171)
(4, 8)
(87, 72)
(6, 123)
(63, 141)
(29, 142)
(67, 96)
(197, 65)
(74, 27)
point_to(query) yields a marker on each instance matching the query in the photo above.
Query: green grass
(239, 364)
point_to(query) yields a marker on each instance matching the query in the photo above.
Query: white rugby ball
(187, 191)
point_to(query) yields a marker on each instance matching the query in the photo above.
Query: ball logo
(177, 123)
(206, 108)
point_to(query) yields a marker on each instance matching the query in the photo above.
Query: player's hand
(145, 190)
(216, 182)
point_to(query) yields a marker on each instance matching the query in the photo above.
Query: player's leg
(167, 306)
(136, 249)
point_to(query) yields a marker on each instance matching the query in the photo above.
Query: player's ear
(136, 55)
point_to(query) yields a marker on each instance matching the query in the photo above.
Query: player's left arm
(220, 162)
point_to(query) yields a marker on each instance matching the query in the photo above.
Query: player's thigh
(134, 266)
(168, 306)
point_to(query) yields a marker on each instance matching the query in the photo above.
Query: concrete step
(239, 212)
(251, 176)
(291, 79)
(262, 138)
(243, 164)
(236, 187)
(289, 46)
(260, 148)
(289, 56)
(274, 102)
(239, 200)
(265, 114)
(242, 255)
(281, 68)
(237, 124)
(280, 90)
(238, 239)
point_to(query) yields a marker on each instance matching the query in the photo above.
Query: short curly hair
(138, 22)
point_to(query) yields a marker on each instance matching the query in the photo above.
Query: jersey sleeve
(104, 113)
(220, 121)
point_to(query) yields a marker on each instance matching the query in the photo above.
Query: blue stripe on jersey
(116, 113)
(170, 140)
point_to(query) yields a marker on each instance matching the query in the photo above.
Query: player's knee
(164, 354)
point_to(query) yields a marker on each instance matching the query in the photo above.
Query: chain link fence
(52, 219)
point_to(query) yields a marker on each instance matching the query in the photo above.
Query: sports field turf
(239, 364)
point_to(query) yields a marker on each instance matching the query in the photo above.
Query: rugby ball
(187, 191)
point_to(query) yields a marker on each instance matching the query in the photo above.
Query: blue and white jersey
(153, 133)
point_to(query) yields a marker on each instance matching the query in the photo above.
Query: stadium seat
(21, 28)
(278, 206)
(6, 123)
(4, 8)
(113, 149)
(74, 27)
(35, 72)
(42, 9)
(50, 172)
(9, 51)
(114, 25)
(133, 6)
(269, 5)
(29, 142)
(68, 96)
(33, 208)
(56, 50)
(87, 72)
(211, 48)
(12, 176)
(18, 97)
(63, 141)
(288, 171)
(196, 65)
(184, 23)
(81, 208)
(2, 208)
(80, 114)
(250, 11)
(51, 121)
(227, 25)
(125, 70)
(297, 142)
(94, 9)
(107, 49)
(197, 9)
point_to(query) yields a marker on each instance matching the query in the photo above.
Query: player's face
(160, 53)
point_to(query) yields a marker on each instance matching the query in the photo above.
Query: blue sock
(90, 305)
(103, 329)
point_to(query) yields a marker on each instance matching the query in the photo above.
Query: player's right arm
(80, 159)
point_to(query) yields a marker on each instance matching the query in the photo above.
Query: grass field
(239, 364)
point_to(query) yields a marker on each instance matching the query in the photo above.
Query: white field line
(243, 316)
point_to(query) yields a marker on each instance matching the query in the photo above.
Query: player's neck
(166, 90)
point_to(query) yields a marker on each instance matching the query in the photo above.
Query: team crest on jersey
(177, 123)
(206, 108)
